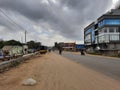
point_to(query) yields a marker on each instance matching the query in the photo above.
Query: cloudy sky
(49, 21)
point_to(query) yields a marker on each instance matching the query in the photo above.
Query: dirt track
(53, 72)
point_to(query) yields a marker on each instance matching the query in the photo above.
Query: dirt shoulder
(54, 72)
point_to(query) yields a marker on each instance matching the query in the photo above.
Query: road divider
(6, 65)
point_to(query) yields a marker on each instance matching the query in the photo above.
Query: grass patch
(14, 64)
(94, 53)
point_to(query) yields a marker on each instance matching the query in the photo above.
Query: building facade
(104, 34)
(13, 50)
(80, 47)
(69, 46)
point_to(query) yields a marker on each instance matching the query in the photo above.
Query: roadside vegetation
(31, 44)
(96, 53)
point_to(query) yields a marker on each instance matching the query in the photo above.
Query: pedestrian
(60, 51)
(82, 52)
(49, 50)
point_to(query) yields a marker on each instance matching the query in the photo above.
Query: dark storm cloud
(30, 8)
(68, 17)
(7, 25)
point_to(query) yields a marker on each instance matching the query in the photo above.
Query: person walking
(60, 50)
(82, 52)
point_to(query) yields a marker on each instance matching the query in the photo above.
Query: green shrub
(14, 64)
(94, 53)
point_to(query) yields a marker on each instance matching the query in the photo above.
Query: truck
(3, 56)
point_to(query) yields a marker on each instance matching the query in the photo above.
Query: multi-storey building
(104, 34)
(70, 46)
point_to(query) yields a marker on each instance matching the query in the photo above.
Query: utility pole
(21, 39)
(25, 46)
(25, 36)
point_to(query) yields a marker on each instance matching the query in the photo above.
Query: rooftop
(113, 12)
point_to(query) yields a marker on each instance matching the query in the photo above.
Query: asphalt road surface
(107, 65)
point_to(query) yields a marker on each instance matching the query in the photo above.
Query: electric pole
(25, 36)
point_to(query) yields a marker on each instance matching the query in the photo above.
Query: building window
(114, 37)
(101, 39)
(88, 31)
(96, 39)
(109, 22)
(111, 30)
(104, 38)
(112, 21)
(117, 30)
(88, 39)
(101, 23)
(105, 30)
(100, 31)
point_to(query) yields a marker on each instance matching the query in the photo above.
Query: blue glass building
(104, 34)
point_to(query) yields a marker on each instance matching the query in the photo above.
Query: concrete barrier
(14, 62)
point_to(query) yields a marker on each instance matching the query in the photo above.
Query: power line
(13, 22)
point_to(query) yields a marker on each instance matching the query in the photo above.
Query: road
(107, 65)
(55, 72)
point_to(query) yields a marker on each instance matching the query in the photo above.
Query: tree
(33, 44)
(1, 44)
(30, 44)
(12, 42)
(37, 45)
